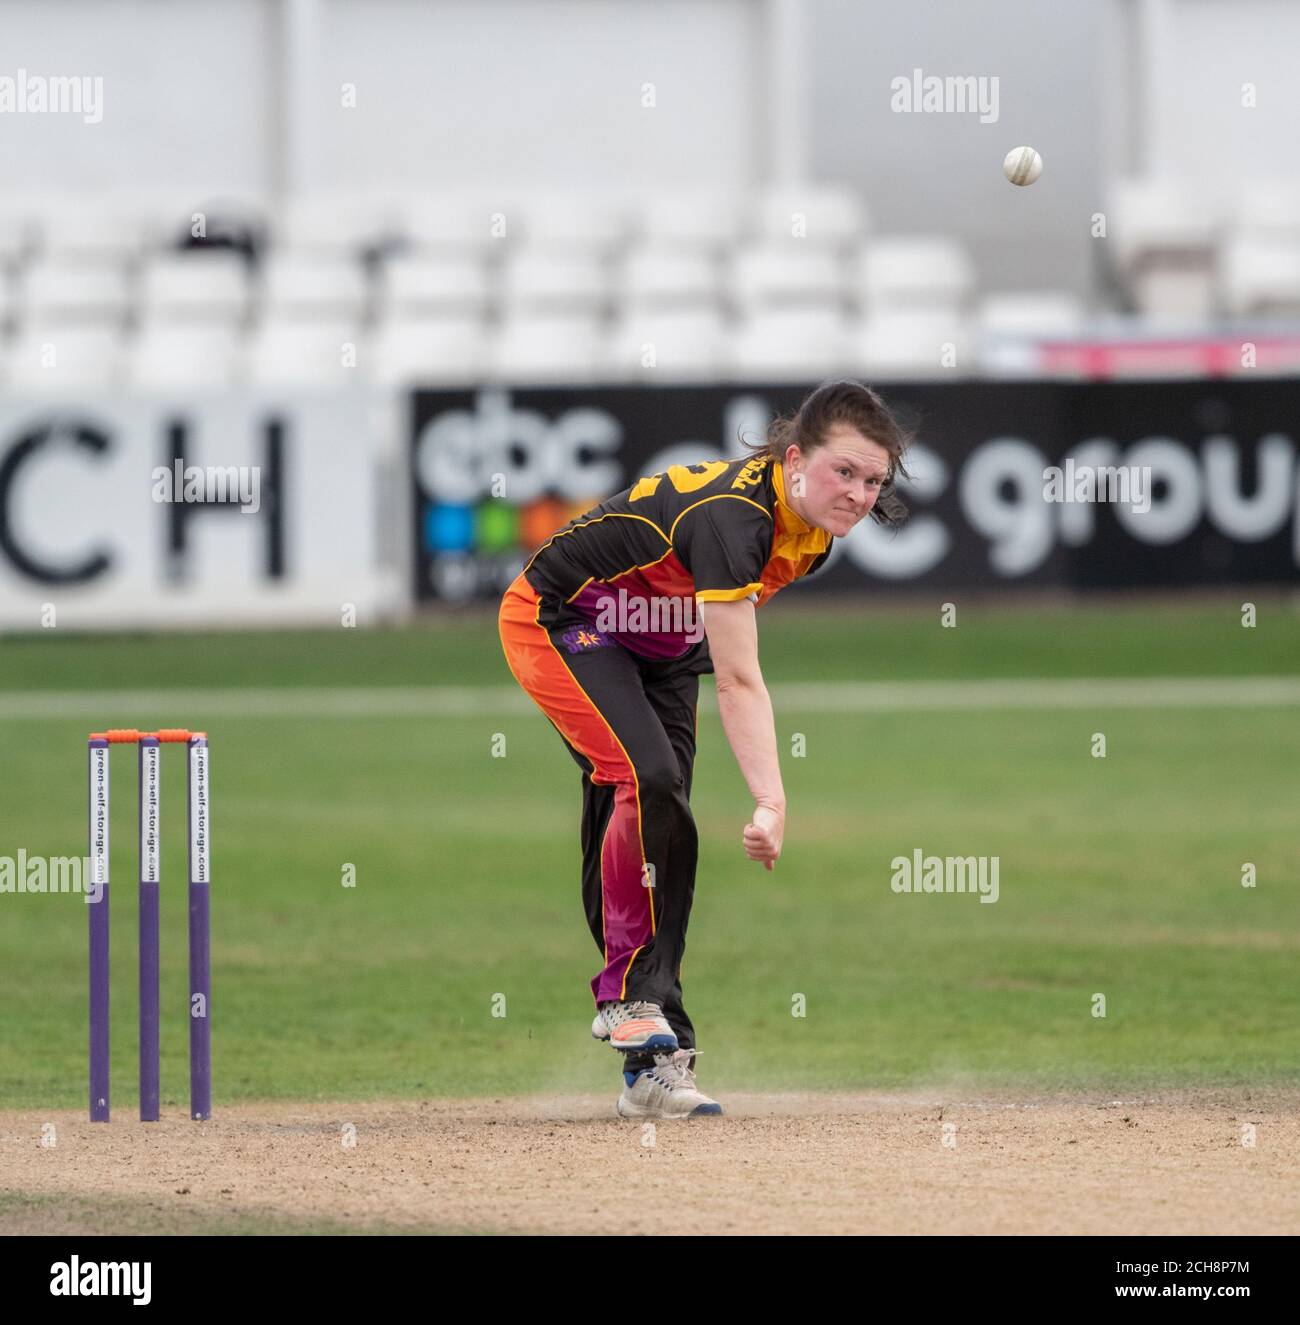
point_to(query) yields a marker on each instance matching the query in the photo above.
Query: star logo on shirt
(577, 639)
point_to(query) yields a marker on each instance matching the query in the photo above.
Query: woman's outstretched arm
(746, 711)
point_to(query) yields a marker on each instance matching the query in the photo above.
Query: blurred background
(478, 265)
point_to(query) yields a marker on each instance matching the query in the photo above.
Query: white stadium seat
(1010, 324)
(291, 352)
(417, 284)
(533, 281)
(1030, 313)
(62, 356)
(93, 227)
(913, 343)
(791, 272)
(1156, 217)
(201, 283)
(1260, 277)
(790, 342)
(184, 354)
(925, 271)
(1172, 295)
(819, 215)
(539, 347)
(458, 222)
(299, 285)
(1163, 235)
(1267, 208)
(685, 346)
(651, 277)
(338, 224)
(79, 291)
(407, 351)
(691, 220)
(581, 221)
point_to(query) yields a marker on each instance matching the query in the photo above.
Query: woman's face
(836, 485)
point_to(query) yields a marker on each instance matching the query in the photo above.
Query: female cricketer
(601, 629)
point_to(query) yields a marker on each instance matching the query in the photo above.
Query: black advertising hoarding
(496, 470)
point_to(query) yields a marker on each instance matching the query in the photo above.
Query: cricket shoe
(628, 1026)
(667, 1090)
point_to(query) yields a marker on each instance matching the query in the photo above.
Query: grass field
(1119, 876)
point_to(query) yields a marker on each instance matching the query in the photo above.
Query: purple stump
(150, 1073)
(200, 962)
(97, 902)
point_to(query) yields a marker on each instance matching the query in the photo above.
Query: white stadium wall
(246, 97)
(189, 98)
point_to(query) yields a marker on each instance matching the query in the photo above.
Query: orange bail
(129, 735)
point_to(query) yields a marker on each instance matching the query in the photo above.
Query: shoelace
(674, 1070)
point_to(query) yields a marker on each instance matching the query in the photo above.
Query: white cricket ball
(1022, 165)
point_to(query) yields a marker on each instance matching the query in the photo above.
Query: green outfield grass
(800, 641)
(1119, 876)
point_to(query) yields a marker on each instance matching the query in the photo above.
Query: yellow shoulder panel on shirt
(727, 595)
